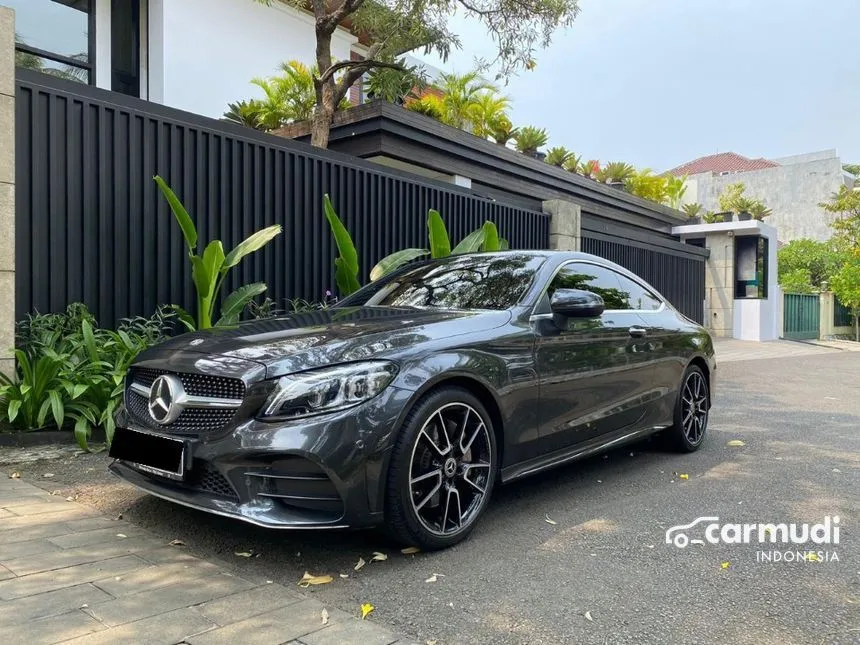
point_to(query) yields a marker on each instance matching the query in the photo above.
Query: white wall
(203, 53)
(793, 191)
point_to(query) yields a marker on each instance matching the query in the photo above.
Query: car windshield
(459, 282)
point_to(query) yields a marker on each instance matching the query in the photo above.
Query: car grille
(192, 421)
(194, 384)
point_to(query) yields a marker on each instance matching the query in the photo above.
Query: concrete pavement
(69, 575)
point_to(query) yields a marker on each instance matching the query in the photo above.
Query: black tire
(411, 506)
(692, 410)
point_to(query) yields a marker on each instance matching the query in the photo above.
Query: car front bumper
(319, 472)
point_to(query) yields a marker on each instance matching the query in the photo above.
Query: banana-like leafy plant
(485, 238)
(346, 264)
(676, 187)
(210, 269)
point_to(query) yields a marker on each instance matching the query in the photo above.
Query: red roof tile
(722, 162)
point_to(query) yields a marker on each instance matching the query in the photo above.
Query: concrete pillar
(7, 189)
(719, 284)
(827, 308)
(564, 225)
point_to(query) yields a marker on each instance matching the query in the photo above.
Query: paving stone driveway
(68, 575)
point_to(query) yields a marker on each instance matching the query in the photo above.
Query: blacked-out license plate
(161, 455)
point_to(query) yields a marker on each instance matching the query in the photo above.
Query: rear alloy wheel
(691, 412)
(442, 470)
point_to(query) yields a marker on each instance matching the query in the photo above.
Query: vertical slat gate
(91, 225)
(801, 316)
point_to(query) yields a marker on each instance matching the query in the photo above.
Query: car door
(590, 369)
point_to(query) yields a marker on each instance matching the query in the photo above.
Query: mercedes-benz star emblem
(164, 399)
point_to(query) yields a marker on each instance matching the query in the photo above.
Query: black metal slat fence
(680, 278)
(92, 226)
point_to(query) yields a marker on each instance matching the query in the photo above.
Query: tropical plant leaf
(82, 433)
(472, 243)
(345, 277)
(440, 244)
(184, 317)
(252, 243)
(346, 266)
(504, 245)
(89, 340)
(213, 260)
(491, 237)
(397, 259)
(12, 410)
(236, 302)
(189, 231)
(57, 407)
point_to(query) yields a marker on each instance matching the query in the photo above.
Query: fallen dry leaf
(15, 476)
(409, 550)
(324, 616)
(725, 565)
(366, 608)
(588, 616)
(683, 476)
(176, 543)
(244, 554)
(549, 520)
(735, 443)
(308, 580)
(378, 557)
(359, 564)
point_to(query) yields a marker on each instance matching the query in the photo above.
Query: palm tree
(459, 93)
(488, 110)
(289, 97)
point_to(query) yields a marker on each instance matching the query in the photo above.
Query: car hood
(320, 338)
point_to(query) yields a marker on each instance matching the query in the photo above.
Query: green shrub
(70, 373)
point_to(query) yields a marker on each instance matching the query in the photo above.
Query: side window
(617, 291)
(590, 277)
(637, 296)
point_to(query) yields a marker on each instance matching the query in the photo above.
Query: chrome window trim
(638, 281)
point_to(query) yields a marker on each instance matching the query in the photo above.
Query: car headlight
(328, 389)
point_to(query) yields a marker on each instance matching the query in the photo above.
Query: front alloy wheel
(443, 470)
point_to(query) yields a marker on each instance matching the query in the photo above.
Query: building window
(751, 267)
(55, 37)
(125, 47)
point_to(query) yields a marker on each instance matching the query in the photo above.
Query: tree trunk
(321, 127)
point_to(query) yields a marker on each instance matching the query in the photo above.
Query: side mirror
(576, 303)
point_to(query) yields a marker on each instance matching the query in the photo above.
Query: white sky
(660, 82)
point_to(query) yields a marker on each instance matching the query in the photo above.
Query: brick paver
(69, 575)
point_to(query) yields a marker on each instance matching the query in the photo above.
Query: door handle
(637, 332)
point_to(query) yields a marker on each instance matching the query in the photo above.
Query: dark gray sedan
(406, 403)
